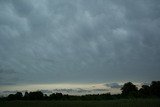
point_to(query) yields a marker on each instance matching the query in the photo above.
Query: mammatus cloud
(11, 77)
(50, 41)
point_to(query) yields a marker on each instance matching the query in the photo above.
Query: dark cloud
(47, 41)
(6, 83)
(7, 71)
(23, 8)
(114, 85)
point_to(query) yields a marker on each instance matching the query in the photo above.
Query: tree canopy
(129, 89)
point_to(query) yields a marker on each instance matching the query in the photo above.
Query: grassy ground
(112, 103)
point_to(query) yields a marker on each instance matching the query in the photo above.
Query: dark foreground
(109, 103)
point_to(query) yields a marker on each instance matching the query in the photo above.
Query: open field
(111, 103)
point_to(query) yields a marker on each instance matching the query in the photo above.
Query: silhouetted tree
(56, 96)
(18, 96)
(45, 96)
(11, 97)
(26, 96)
(155, 88)
(38, 95)
(145, 91)
(129, 89)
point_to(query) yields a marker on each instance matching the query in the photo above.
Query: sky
(79, 42)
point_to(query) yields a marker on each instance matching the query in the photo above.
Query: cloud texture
(47, 41)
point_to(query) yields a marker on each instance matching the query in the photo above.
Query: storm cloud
(57, 41)
(114, 85)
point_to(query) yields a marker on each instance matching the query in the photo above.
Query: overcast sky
(79, 41)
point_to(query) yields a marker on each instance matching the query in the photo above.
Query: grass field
(111, 103)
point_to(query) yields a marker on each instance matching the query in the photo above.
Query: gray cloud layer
(79, 40)
(114, 85)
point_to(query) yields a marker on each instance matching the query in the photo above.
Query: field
(111, 103)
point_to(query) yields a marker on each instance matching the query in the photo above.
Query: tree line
(129, 90)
